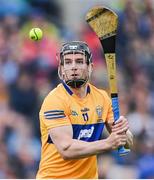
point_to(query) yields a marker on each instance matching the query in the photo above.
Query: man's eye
(67, 62)
(80, 62)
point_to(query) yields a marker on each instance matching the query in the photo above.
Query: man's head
(75, 63)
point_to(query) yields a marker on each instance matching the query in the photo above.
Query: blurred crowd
(29, 71)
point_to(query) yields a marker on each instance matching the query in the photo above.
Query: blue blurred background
(29, 71)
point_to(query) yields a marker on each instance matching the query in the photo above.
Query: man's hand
(120, 126)
(115, 140)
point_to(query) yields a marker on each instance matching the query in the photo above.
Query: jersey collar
(70, 91)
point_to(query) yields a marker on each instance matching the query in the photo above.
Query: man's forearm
(81, 149)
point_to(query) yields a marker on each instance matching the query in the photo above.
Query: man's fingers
(121, 118)
(120, 123)
(124, 126)
(120, 129)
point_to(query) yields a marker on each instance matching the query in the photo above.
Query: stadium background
(29, 71)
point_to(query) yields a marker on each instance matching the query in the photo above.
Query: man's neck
(80, 92)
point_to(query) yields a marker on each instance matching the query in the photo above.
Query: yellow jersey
(87, 117)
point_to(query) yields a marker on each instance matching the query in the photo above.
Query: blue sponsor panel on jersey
(89, 132)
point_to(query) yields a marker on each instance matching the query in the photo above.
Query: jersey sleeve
(54, 112)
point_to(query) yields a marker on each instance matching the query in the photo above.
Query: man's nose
(74, 65)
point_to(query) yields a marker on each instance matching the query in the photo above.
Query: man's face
(75, 67)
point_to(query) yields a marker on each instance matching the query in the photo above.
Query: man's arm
(121, 126)
(74, 149)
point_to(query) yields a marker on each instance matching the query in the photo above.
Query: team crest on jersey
(74, 113)
(99, 111)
